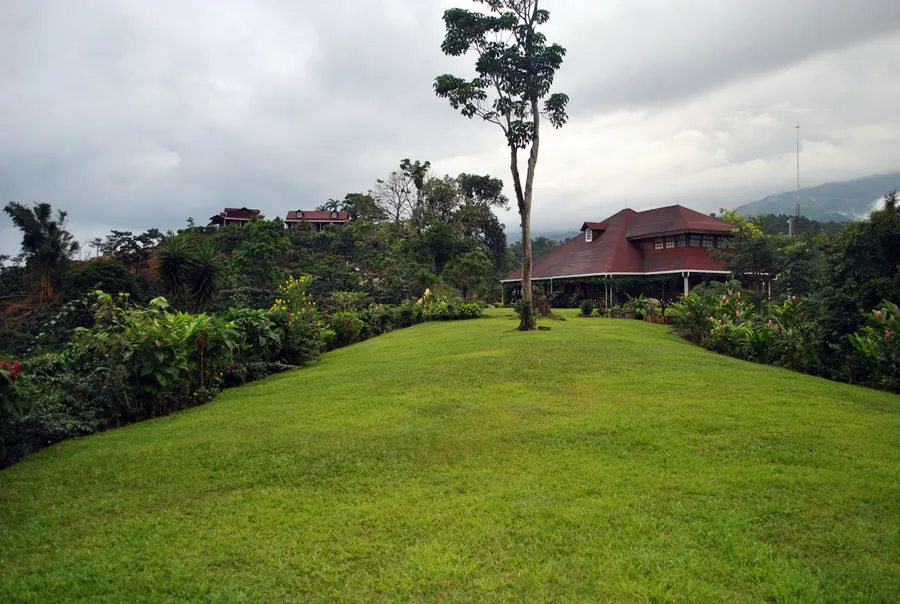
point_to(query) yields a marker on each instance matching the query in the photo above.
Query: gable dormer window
(589, 235)
(333, 214)
(300, 213)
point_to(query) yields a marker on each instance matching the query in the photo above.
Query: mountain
(515, 235)
(839, 201)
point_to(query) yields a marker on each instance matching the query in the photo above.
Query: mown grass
(604, 460)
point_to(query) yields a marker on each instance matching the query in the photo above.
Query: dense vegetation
(612, 462)
(160, 321)
(834, 309)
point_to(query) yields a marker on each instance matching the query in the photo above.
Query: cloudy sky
(132, 114)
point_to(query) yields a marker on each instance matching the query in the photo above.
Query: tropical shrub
(10, 401)
(348, 328)
(875, 360)
(791, 334)
(587, 308)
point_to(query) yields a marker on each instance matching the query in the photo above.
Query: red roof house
(672, 241)
(317, 218)
(236, 216)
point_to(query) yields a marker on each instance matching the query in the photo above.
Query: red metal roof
(317, 216)
(616, 246)
(675, 219)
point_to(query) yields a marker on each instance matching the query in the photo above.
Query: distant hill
(515, 235)
(838, 201)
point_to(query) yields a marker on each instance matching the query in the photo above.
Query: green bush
(587, 308)
(348, 328)
(134, 362)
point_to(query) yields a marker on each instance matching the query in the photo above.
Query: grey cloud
(133, 114)
(656, 52)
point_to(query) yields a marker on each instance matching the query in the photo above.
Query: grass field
(604, 460)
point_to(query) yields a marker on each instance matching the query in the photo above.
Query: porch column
(687, 285)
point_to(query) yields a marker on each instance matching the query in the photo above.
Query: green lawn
(604, 460)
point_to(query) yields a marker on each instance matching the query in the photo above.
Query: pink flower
(4, 365)
(779, 328)
(712, 331)
(801, 315)
(738, 313)
(200, 341)
(730, 292)
(14, 371)
(887, 336)
(770, 322)
(878, 313)
(794, 298)
(712, 319)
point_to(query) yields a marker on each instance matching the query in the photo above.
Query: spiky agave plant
(175, 260)
(205, 275)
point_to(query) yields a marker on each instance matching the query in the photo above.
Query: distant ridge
(515, 235)
(838, 201)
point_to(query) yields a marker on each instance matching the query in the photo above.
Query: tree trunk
(528, 319)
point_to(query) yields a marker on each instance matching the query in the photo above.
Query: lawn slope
(604, 460)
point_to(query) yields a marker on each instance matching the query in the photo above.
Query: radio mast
(797, 205)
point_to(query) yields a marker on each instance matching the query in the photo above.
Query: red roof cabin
(234, 216)
(318, 219)
(659, 252)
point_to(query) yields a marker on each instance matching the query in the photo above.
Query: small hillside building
(661, 253)
(234, 216)
(318, 219)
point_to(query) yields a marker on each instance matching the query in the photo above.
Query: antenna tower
(797, 204)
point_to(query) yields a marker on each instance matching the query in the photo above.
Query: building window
(695, 240)
(589, 235)
(724, 242)
(658, 243)
(681, 241)
(708, 240)
(670, 242)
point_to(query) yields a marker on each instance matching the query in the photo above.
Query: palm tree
(332, 205)
(175, 260)
(205, 274)
(46, 244)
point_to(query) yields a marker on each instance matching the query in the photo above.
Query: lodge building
(317, 219)
(661, 253)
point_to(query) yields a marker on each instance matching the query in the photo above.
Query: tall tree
(362, 205)
(417, 173)
(46, 244)
(468, 271)
(515, 69)
(753, 254)
(395, 197)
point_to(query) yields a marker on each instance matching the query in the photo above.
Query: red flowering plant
(11, 403)
(875, 360)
